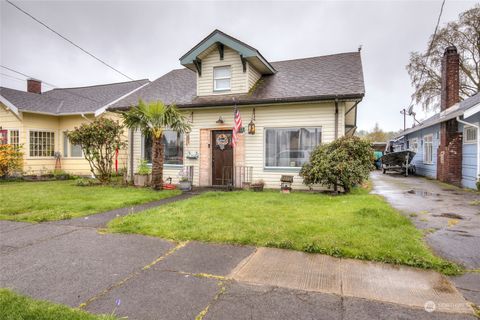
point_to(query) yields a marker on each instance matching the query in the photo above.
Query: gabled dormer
(225, 65)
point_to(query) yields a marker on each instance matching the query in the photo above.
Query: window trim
(291, 169)
(424, 149)
(69, 148)
(165, 165)
(465, 141)
(54, 143)
(9, 137)
(222, 78)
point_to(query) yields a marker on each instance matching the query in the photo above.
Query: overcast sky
(146, 39)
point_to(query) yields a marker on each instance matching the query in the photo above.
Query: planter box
(257, 187)
(185, 185)
(141, 180)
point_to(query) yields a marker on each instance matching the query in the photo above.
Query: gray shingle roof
(453, 112)
(317, 78)
(70, 100)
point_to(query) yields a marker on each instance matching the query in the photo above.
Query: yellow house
(286, 107)
(37, 121)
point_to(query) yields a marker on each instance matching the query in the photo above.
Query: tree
(152, 119)
(376, 134)
(465, 35)
(11, 159)
(345, 162)
(99, 141)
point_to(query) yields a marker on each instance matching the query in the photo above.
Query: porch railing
(237, 176)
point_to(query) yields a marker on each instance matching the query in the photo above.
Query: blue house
(447, 144)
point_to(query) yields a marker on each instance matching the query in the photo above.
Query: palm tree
(152, 119)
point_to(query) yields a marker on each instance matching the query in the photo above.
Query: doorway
(222, 158)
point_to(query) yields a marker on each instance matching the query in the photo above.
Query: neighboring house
(37, 121)
(447, 144)
(293, 105)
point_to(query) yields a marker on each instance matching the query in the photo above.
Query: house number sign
(222, 141)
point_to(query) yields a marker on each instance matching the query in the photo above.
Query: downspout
(336, 119)
(478, 143)
(131, 154)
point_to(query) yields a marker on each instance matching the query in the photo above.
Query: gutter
(250, 102)
(336, 119)
(478, 142)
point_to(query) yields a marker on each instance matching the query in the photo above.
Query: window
(290, 147)
(221, 78)
(428, 149)
(15, 138)
(173, 147)
(72, 150)
(414, 144)
(469, 134)
(42, 143)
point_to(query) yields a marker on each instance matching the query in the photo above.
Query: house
(37, 121)
(287, 108)
(447, 144)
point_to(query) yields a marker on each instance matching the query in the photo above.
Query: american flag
(237, 126)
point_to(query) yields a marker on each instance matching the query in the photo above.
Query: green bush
(345, 162)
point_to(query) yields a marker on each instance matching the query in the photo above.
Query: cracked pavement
(158, 279)
(449, 216)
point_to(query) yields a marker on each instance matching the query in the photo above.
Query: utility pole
(404, 112)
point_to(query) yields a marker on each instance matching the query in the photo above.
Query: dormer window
(221, 78)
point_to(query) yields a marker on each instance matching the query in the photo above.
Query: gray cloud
(145, 39)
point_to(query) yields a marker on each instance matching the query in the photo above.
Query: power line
(69, 41)
(429, 48)
(52, 85)
(7, 75)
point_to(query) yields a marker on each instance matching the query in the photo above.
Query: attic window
(221, 78)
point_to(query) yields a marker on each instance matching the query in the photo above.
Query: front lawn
(358, 225)
(57, 200)
(14, 307)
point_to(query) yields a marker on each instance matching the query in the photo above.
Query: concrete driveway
(449, 216)
(157, 279)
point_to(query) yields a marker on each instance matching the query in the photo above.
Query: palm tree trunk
(157, 163)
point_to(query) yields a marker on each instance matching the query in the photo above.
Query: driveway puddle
(449, 215)
(423, 193)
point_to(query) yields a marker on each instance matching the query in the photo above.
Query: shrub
(143, 168)
(345, 162)
(11, 160)
(99, 139)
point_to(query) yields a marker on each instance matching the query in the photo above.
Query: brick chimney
(449, 153)
(450, 78)
(34, 86)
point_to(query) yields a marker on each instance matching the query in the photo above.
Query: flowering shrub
(99, 140)
(11, 159)
(345, 162)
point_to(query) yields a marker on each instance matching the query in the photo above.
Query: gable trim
(10, 106)
(105, 107)
(218, 36)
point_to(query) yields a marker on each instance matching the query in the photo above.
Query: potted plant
(184, 182)
(258, 185)
(141, 178)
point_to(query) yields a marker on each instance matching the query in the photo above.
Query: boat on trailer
(398, 161)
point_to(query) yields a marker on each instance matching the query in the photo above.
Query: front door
(222, 157)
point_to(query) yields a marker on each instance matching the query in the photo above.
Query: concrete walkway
(158, 279)
(449, 216)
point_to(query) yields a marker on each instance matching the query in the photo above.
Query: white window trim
(27, 148)
(222, 78)
(465, 141)
(69, 147)
(165, 165)
(424, 149)
(8, 134)
(291, 169)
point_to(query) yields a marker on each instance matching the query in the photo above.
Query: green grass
(15, 307)
(358, 225)
(57, 200)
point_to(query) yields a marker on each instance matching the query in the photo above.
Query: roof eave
(10, 106)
